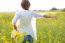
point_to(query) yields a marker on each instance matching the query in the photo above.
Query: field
(49, 30)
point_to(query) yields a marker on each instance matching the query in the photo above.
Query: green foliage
(48, 30)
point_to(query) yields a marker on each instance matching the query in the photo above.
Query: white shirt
(26, 24)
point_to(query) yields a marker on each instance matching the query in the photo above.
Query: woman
(25, 18)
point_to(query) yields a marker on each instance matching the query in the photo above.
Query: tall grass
(48, 30)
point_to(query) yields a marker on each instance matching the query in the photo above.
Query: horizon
(13, 5)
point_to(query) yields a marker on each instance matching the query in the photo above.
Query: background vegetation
(48, 30)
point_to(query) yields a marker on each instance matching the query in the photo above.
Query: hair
(25, 4)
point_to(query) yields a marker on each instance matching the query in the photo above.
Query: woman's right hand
(15, 33)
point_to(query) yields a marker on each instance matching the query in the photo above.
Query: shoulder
(24, 12)
(18, 12)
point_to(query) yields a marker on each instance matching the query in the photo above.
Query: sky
(13, 5)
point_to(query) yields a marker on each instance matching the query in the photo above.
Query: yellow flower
(22, 34)
(6, 42)
(16, 33)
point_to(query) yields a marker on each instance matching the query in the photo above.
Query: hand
(55, 17)
(14, 33)
(47, 16)
(15, 27)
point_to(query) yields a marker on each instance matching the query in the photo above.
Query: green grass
(48, 30)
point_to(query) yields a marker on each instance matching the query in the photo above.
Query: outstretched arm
(47, 16)
(43, 16)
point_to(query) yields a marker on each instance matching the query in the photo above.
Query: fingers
(14, 34)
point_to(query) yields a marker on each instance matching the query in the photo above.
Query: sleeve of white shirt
(16, 17)
(38, 15)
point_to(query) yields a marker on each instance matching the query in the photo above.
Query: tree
(54, 8)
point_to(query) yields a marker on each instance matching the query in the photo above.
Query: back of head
(25, 4)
